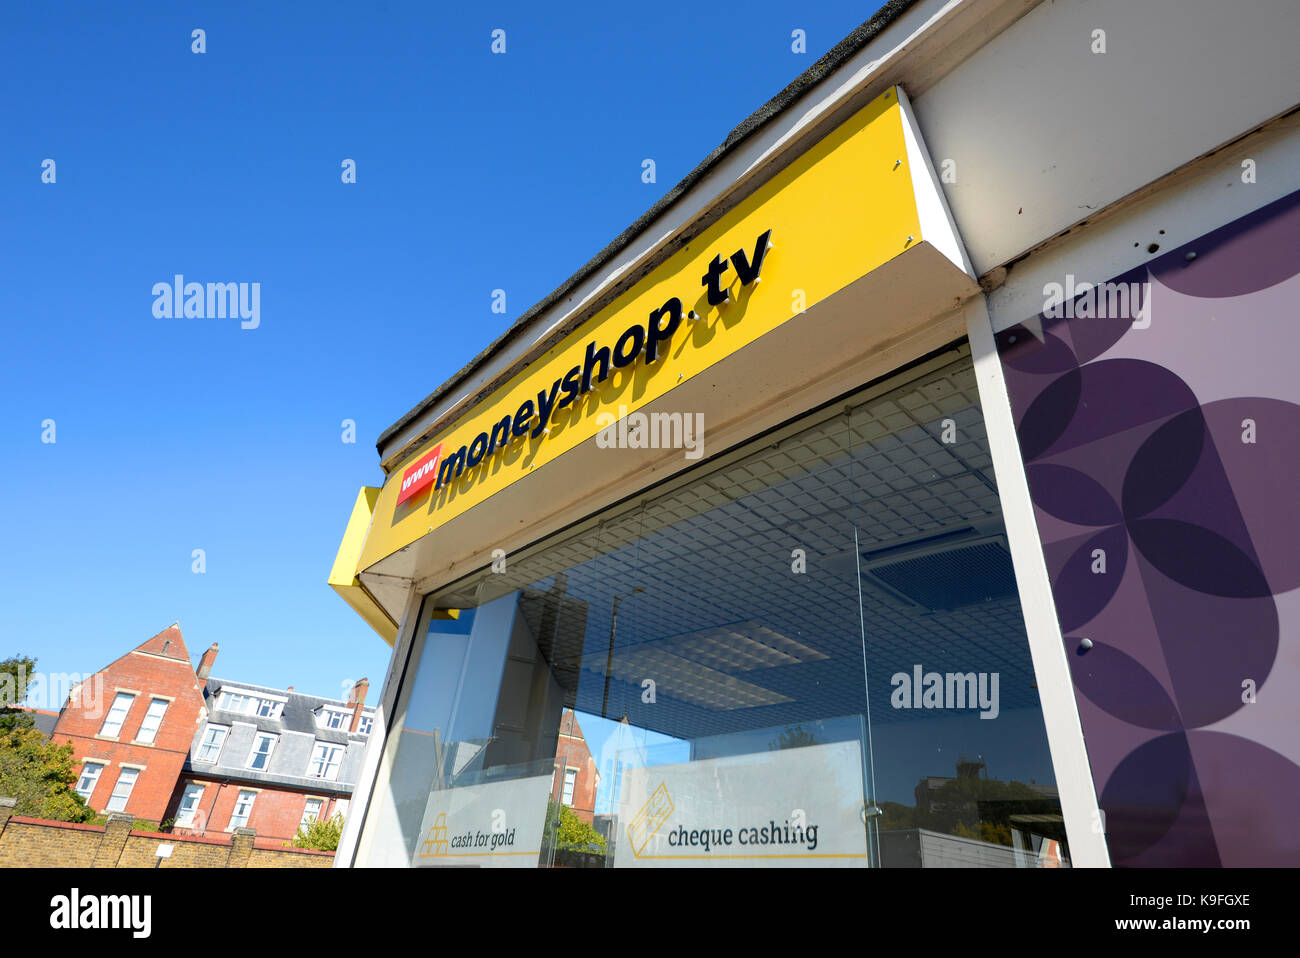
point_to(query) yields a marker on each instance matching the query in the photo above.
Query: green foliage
(793, 737)
(137, 825)
(40, 774)
(969, 806)
(896, 816)
(571, 833)
(14, 673)
(986, 832)
(322, 835)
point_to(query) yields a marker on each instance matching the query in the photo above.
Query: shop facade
(909, 488)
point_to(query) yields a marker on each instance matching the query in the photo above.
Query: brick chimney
(357, 699)
(205, 663)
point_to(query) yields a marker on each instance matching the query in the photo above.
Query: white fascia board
(938, 228)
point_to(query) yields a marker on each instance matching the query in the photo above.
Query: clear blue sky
(474, 172)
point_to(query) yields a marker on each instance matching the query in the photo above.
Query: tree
(321, 834)
(976, 807)
(40, 774)
(14, 673)
(565, 831)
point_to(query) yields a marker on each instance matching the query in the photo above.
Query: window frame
(99, 770)
(566, 786)
(153, 733)
(221, 744)
(126, 799)
(327, 713)
(243, 702)
(117, 731)
(258, 738)
(180, 808)
(248, 813)
(320, 807)
(326, 749)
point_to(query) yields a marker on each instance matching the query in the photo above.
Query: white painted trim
(1198, 199)
(1074, 782)
(375, 759)
(938, 228)
(155, 655)
(247, 693)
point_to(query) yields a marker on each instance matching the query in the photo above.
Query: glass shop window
(810, 652)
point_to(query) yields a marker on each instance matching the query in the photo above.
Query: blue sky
(474, 172)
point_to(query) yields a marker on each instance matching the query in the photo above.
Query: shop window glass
(808, 652)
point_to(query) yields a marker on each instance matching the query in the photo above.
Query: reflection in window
(570, 780)
(812, 654)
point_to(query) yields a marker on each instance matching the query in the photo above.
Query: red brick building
(576, 776)
(131, 724)
(160, 739)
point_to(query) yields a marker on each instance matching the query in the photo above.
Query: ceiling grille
(948, 576)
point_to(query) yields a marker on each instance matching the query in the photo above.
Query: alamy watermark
(947, 690)
(52, 690)
(656, 430)
(1108, 300)
(75, 911)
(179, 299)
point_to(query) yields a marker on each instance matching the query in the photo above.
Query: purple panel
(1193, 507)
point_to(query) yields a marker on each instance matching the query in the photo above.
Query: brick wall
(36, 843)
(276, 856)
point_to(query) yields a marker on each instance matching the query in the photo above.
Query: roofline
(815, 74)
(219, 683)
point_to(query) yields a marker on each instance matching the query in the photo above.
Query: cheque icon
(648, 820)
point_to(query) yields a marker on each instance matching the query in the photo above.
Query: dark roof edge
(819, 71)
